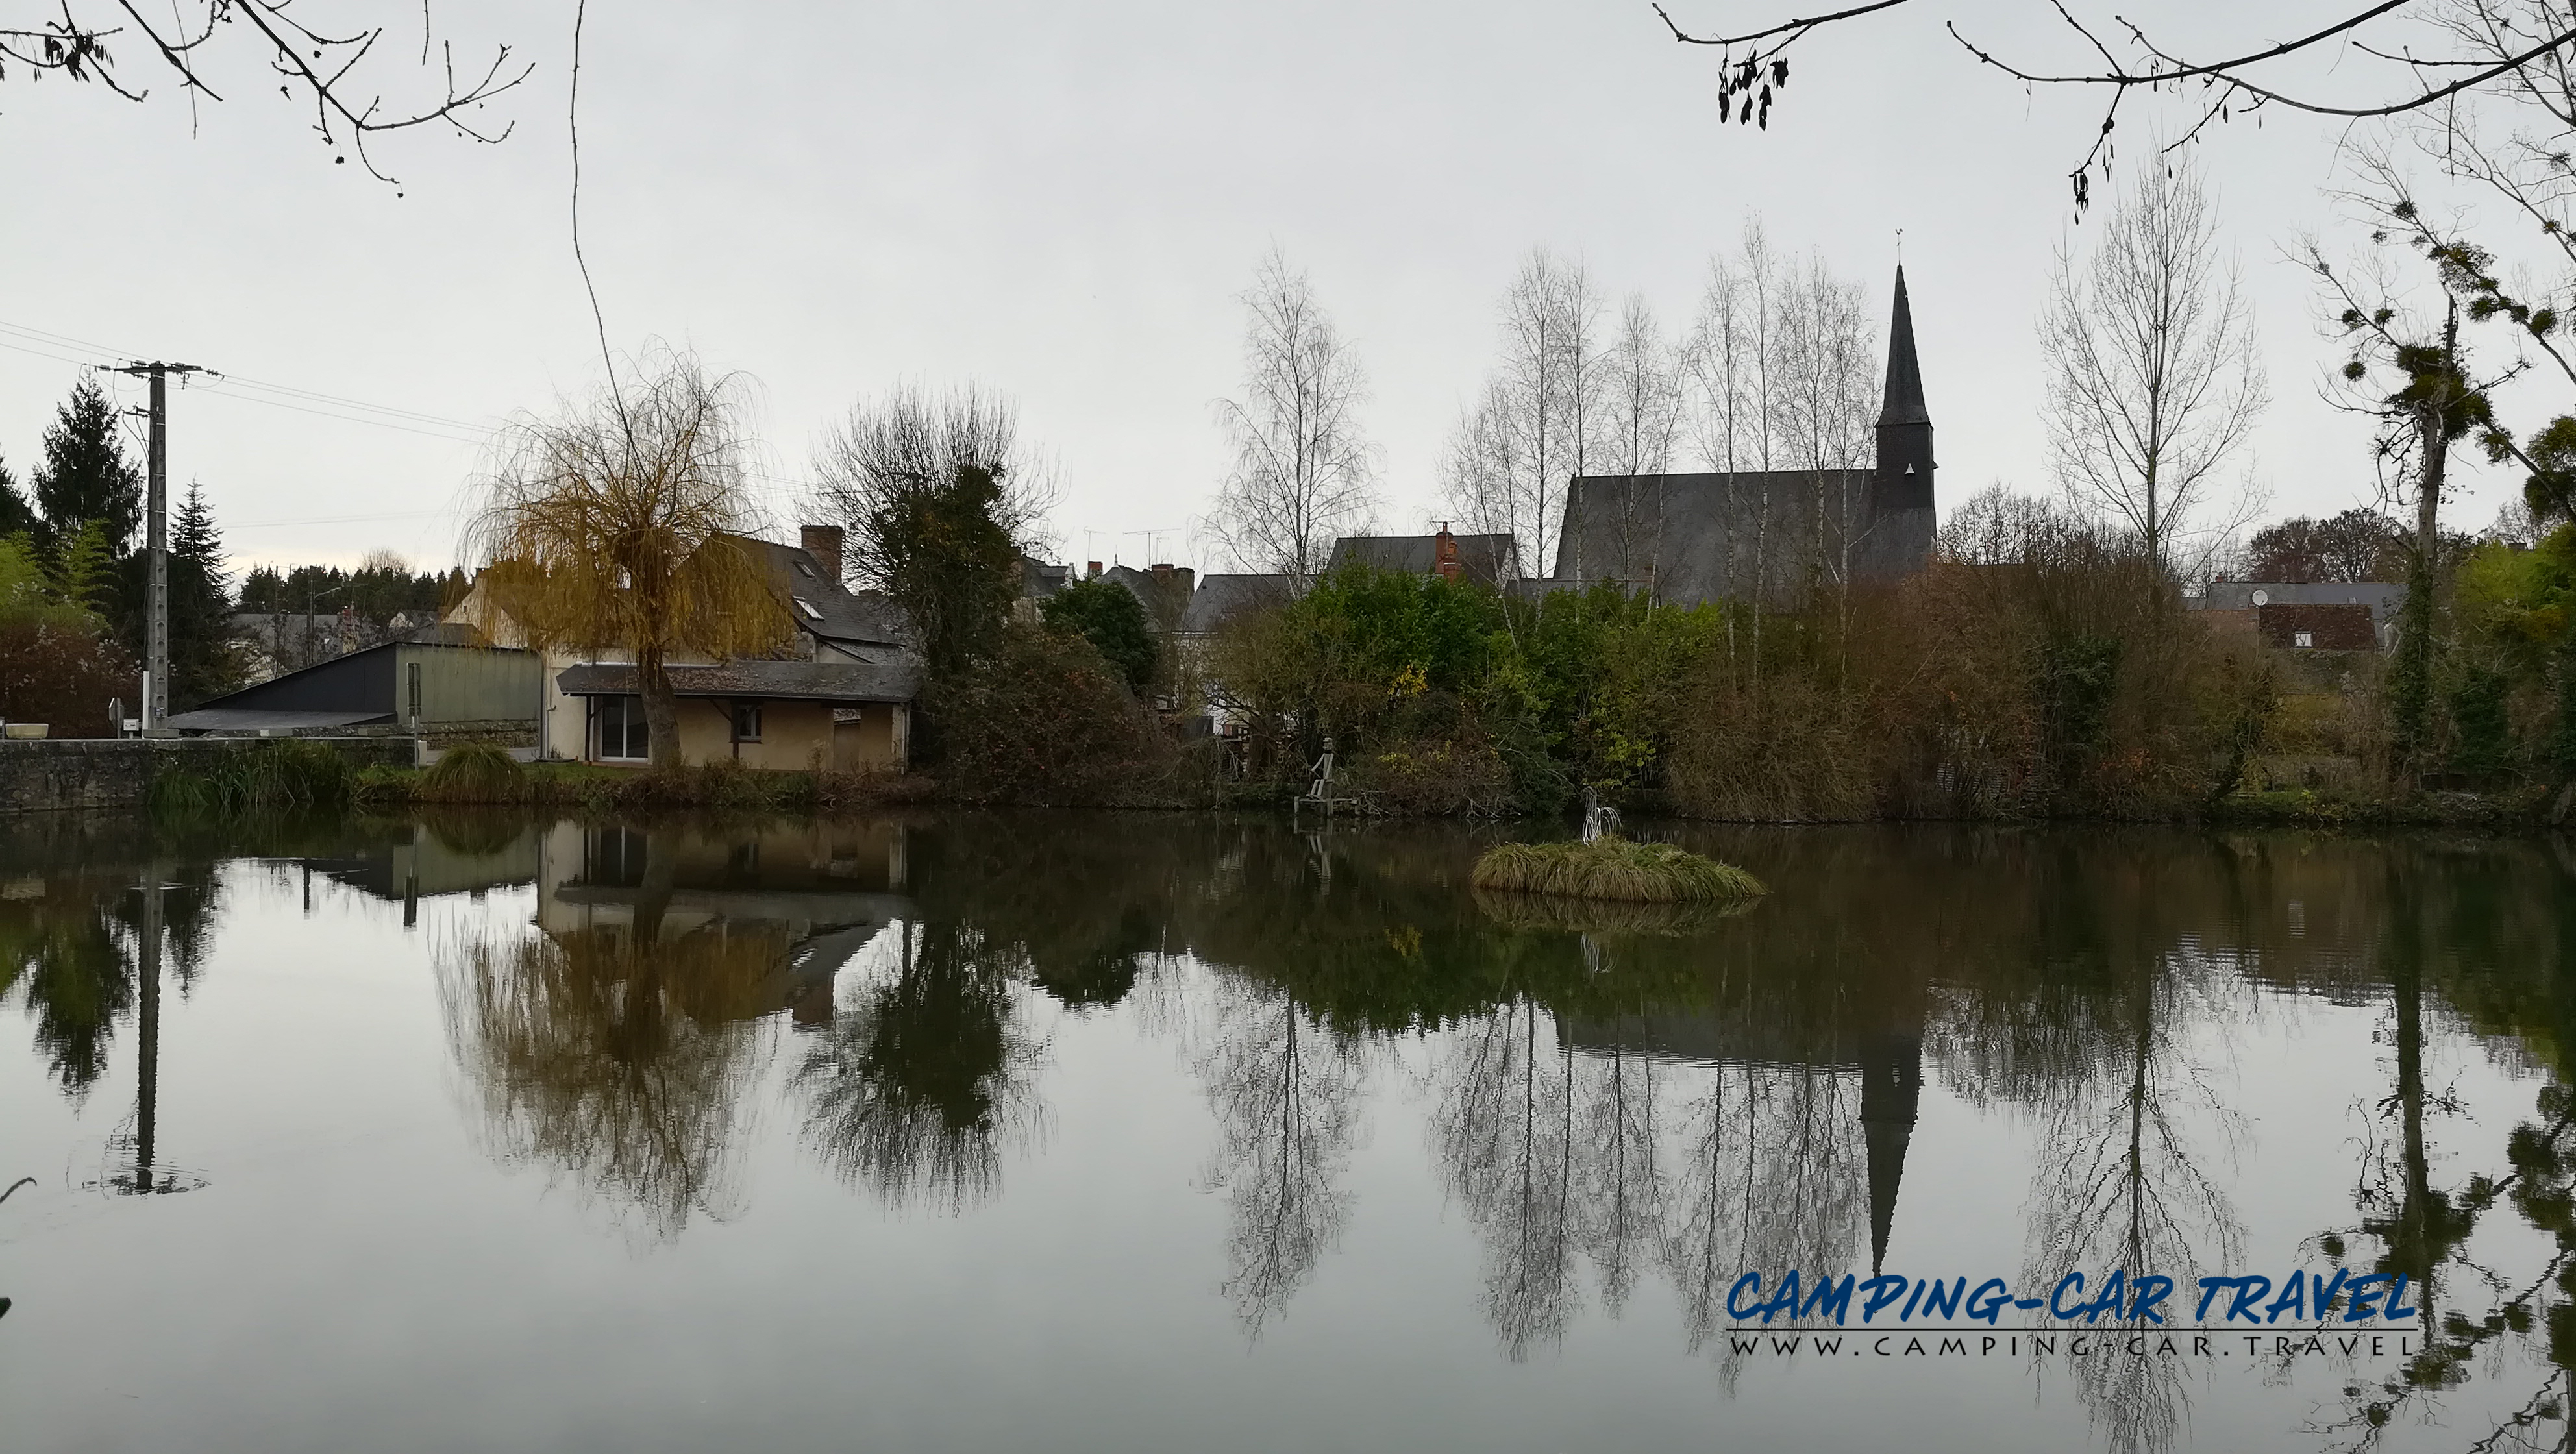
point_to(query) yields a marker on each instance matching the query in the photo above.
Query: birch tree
(1538, 421)
(1304, 471)
(2154, 383)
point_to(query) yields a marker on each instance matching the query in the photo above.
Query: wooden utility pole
(156, 516)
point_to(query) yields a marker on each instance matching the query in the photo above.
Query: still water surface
(1174, 1133)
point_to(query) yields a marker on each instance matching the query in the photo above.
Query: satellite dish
(2262, 598)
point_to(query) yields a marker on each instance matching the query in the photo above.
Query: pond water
(1193, 1133)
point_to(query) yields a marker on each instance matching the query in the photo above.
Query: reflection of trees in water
(617, 1056)
(2123, 1176)
(2503, 954)
(1771, 1175)
(1287, 1093)
(918, 1089)
(1504, 1133)
(73, 943)
(1618, 1175)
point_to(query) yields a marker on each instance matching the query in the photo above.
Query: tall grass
(1612, 868)
(475, 772)
(271, 780)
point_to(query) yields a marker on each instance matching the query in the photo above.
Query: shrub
(1109, 616)
(1044, 720)
(475, 772)
(1440, 777)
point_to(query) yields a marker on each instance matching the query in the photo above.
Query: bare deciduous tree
(1539, 419)
(1828, 399)
(2154, 383)
(616, 527)
(940, 500)
(1304, 472)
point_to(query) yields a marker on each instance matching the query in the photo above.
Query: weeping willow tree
(622, 1055)
(617, 526)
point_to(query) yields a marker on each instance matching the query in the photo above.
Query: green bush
(1109, 616)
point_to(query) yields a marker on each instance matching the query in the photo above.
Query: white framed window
(746, 721)
(812, 613)
(2303, 638)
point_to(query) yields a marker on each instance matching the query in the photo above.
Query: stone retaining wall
(57, 775)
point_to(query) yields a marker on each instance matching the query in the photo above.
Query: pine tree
(203, 662)
(17, 517)
(86, 477)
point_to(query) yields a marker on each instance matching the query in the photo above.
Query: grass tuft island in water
(1610, 867)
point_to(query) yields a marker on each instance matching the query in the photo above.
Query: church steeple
(1903, 480)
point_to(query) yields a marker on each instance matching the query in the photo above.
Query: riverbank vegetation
(1611, 868)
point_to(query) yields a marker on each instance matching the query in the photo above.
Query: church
(1769, 535)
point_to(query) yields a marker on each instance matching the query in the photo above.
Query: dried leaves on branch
(327, 68)
(2477, 46)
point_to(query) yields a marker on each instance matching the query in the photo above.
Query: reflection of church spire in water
(1891, 1083)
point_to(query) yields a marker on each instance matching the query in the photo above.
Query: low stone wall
(57, 775)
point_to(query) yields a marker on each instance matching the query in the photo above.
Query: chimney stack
(823, 542)
(1093, 573)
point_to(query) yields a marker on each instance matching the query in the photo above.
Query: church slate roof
(1700, 537)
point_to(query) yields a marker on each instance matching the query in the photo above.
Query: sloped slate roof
(1688, 536)
(894, 681)
(838, 614)
(2382, 597)
(254, 719)
(1220, 598)
(1487, 558)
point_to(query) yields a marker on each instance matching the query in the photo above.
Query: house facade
(838, 697)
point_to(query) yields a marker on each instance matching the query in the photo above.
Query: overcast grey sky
(1062, 201)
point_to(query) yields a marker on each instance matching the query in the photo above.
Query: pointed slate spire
(1903, 480)
(1904, 372)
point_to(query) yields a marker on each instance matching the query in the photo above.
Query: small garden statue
(1598, 822)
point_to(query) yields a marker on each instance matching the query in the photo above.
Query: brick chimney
(1093, 573)
(1444, 553)
(823, 542)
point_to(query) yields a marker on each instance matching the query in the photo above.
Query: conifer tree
(85, 570)
(17, 517)
(203, 663)
(85, 475)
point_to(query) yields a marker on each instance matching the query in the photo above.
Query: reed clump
(1612, 868)
(269, 780)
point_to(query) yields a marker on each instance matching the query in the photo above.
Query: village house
(839, 696)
